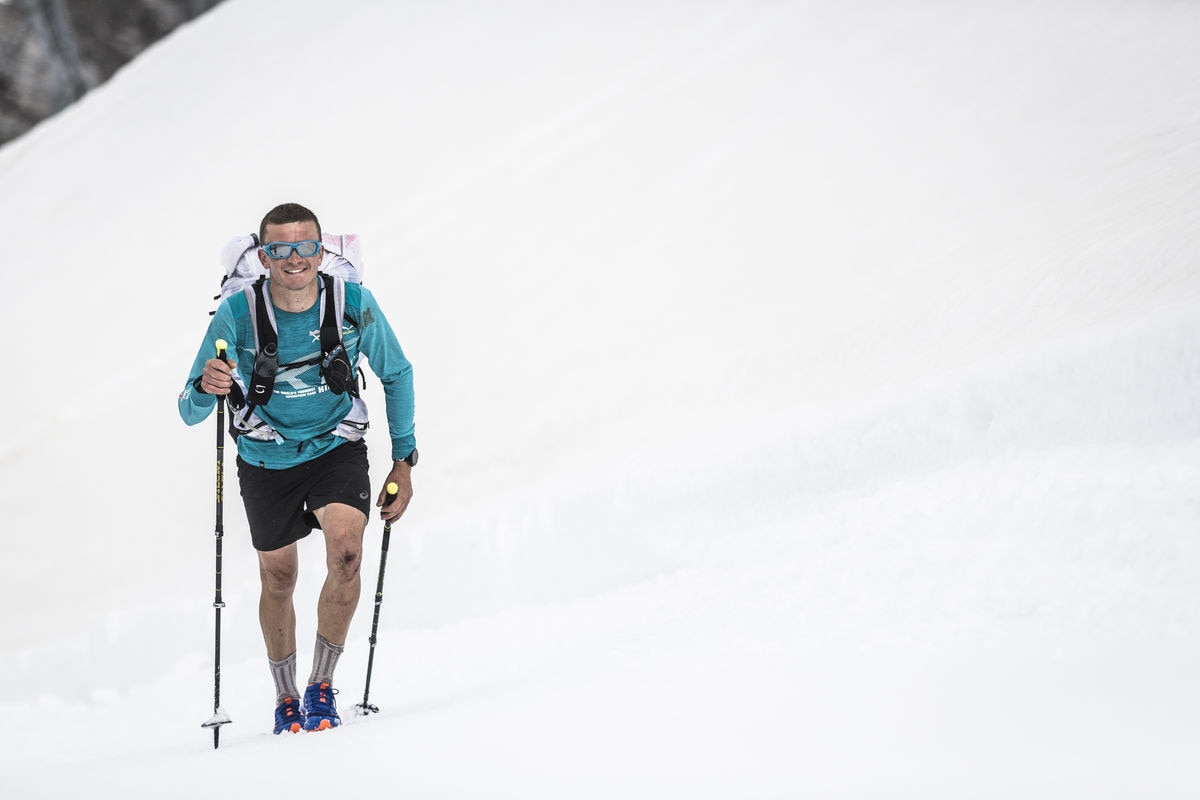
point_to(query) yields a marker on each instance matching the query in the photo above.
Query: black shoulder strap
(266, 358)
(336, 368)
(331, 327)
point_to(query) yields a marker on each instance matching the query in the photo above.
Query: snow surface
(808, 399)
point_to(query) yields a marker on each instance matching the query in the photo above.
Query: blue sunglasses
(280, 250)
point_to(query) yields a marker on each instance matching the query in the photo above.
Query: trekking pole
(364, 707)
(219, 716)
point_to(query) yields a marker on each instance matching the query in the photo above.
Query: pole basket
(218, 719)
(215, 722)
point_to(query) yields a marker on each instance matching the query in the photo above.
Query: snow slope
(808, 398)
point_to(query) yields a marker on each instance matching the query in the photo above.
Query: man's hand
(401, 475)
(217, 377)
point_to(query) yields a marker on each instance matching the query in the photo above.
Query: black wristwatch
(412, 458)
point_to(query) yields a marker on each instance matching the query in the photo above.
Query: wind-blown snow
(808, 399)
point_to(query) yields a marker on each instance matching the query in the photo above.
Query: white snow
(808, 399)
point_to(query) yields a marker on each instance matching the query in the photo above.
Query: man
(301, 459)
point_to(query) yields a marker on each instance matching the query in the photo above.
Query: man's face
(294, 273)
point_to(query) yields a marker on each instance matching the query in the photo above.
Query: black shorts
(280, 502)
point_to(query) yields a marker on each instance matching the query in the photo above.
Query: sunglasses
(281, 250)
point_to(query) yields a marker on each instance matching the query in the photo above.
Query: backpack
(245, 273)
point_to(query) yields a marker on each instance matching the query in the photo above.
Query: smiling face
(293, 279)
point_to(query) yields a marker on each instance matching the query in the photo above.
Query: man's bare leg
(343, 526)
(277, 571)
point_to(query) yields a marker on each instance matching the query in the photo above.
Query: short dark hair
(285, 213)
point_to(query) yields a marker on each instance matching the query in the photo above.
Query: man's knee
(278, 578)
(343, 526)
(344, 551)
(346, 559)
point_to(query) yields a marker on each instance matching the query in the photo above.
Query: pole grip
(392, 491)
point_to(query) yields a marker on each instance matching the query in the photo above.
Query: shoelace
(319, 701)
(288, 715)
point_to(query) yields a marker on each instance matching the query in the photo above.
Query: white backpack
(244, 272)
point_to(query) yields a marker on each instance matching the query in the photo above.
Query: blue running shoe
(288, 716)
(320, 712)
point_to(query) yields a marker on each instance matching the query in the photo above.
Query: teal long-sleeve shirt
(302, 409)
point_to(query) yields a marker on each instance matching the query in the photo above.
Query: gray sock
(284, 673)
(325, 658)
